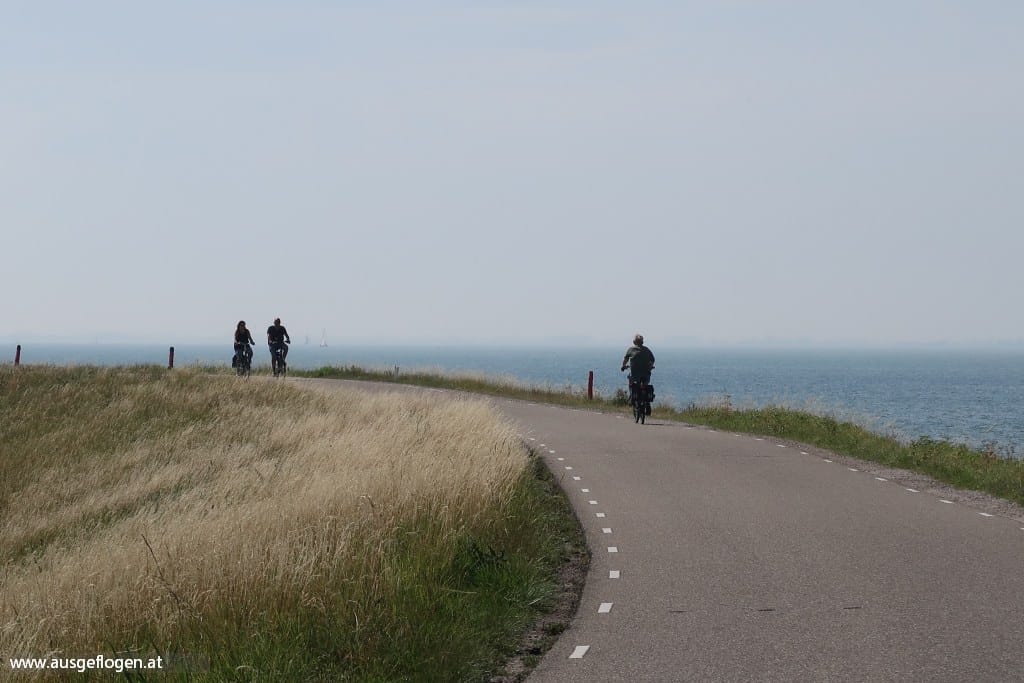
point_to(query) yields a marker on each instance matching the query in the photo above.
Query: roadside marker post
(17, 355)
(590, 385)
(170, 359)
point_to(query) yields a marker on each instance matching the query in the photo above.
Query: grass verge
(955, 464)
(253, 530)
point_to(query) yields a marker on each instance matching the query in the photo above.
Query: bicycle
(641, 394)
(277, 362)
(242, 362)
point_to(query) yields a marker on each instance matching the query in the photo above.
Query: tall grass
(251, 530)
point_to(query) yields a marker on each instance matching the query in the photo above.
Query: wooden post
(17, 355)
(590, 385)
(170, 359)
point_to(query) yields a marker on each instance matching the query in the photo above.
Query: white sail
(323, 340)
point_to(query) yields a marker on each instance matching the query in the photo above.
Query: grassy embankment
(253, 530)
(954, 464)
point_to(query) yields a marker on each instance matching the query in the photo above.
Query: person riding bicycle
(640, 360)
(277, 338)
(243, 341)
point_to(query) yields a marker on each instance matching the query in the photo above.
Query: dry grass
(180, 513)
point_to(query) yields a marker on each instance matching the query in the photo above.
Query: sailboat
(323, 340)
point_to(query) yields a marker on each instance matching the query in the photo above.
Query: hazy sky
(513, 172)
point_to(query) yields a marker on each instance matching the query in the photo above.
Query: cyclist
(640, 360)
(277, 338)
(243, 342)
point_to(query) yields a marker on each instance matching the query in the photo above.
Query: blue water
(970, 397)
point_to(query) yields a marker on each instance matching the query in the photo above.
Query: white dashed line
(758, 439)
(551, 452)
(560, 459)
(985, 514)
(605, 608)
(853, 469)
(607, 530)
(579, 652)
(568, 467)
(585, 490)
(532, 439)
(947, 502)
(592, 502)
(827, 460)
(881, 479)
(613, 549)
(600, 515)
(780, 445)
(614, 574)
(576, 478)
(803, 452)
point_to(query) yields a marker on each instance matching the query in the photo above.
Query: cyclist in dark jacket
(640, 360)
(243, 340)
(277, 335)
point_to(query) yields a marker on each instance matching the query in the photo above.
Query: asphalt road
(723, 557)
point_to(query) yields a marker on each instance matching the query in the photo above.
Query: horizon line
(753, 345)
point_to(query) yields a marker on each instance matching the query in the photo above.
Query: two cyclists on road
(277, 339)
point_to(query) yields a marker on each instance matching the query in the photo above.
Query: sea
(971, 397)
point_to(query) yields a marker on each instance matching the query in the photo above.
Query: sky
(514, 173)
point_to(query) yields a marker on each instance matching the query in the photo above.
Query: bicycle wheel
(643, 412)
